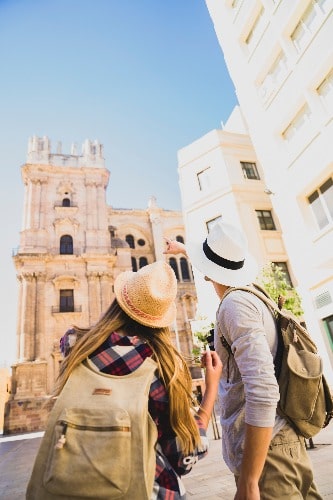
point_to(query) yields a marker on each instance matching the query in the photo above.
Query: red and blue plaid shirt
(170, 462)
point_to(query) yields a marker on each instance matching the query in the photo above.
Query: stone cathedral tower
(72, 246)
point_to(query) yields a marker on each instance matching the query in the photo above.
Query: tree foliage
(275, 282)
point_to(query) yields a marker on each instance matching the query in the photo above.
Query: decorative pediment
(65, 281)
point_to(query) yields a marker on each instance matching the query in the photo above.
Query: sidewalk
(209, 479)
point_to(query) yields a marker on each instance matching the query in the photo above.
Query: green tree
(274, 281)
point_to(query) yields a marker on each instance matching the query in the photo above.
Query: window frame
(262, 219)
(210, 223)
(66, 300)
(246, 168)
(66, 247)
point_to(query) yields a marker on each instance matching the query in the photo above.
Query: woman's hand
(213, 368)
(174, 247)
(212, 363)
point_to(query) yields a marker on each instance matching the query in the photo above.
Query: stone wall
(26, 415)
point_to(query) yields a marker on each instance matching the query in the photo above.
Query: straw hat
(223, 256)
(148, 295)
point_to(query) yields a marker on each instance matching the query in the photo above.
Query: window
(66, 202)
(250, 170)
(173, 264)
(284, 268)
(141, 242)
(143, 261)
(204, 179)
(180, 239)
(210, 223)
(265, 219)
(257, 29)
(66, 301)
(328, 322)
(274, 76)
(298, 123)
(309, 23)
(66, 245)
(325, 90)
(130, 240)
(185, 269)
(321, 202)
(134, 264)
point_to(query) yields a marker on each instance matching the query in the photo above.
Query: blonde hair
(172, 367)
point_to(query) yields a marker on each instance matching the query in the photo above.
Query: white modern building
(280, 57)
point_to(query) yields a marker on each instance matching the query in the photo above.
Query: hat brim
(229, 277)
(161, 322)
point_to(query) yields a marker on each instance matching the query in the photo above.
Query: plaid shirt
(170, 462)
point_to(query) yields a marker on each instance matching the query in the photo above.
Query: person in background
(267, 457)
(136, 326)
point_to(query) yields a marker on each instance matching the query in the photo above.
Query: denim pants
(287, 473)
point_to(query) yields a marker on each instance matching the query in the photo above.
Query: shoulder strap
(259, 292)
(262, 294)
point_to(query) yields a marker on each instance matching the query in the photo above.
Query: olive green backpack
(305, 398)
(100, 440)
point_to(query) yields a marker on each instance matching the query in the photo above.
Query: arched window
(134, 264)
(143, 262)
(173, 264)
(66, 245)
(185, 269)
(180, 238)
(130, 240)
(66, 202)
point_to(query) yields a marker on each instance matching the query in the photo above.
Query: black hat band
(220, 261)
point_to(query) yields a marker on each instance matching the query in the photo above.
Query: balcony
(58, 309)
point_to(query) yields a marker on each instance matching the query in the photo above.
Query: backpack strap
(261, 294)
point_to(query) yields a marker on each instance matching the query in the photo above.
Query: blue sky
(144, 77)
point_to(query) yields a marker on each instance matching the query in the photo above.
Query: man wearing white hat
(267, 457)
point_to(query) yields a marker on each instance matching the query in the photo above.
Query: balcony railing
(58, 309)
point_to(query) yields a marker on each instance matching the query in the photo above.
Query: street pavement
(208, 480)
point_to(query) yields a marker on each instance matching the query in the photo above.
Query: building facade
(72, 247)
(221, 178)
(280, 58)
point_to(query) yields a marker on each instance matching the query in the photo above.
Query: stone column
(183, 302)
(156, 224)
(106, 290)
(35, 217)
(26, 205)
(19, 315)
(40, 319)
(93, 297)
(193, 306)
(43, 199)
(90, 204)
(157, 231)
(101, 206)
(28, 321)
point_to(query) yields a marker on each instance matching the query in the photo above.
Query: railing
(58, 309)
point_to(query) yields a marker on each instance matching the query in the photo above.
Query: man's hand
(174, 247)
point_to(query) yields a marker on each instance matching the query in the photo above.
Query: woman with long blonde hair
(134, 327)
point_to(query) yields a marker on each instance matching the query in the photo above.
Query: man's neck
(220, 289)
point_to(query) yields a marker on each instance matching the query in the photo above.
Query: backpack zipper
(62, 440)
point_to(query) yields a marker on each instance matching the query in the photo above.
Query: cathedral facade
(72, 247)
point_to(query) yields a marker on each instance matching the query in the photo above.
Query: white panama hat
(223, 256)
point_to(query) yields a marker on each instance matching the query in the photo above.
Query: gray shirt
(248, 390)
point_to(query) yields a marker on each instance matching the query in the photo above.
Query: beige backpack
(100, 440)
(305, 398)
